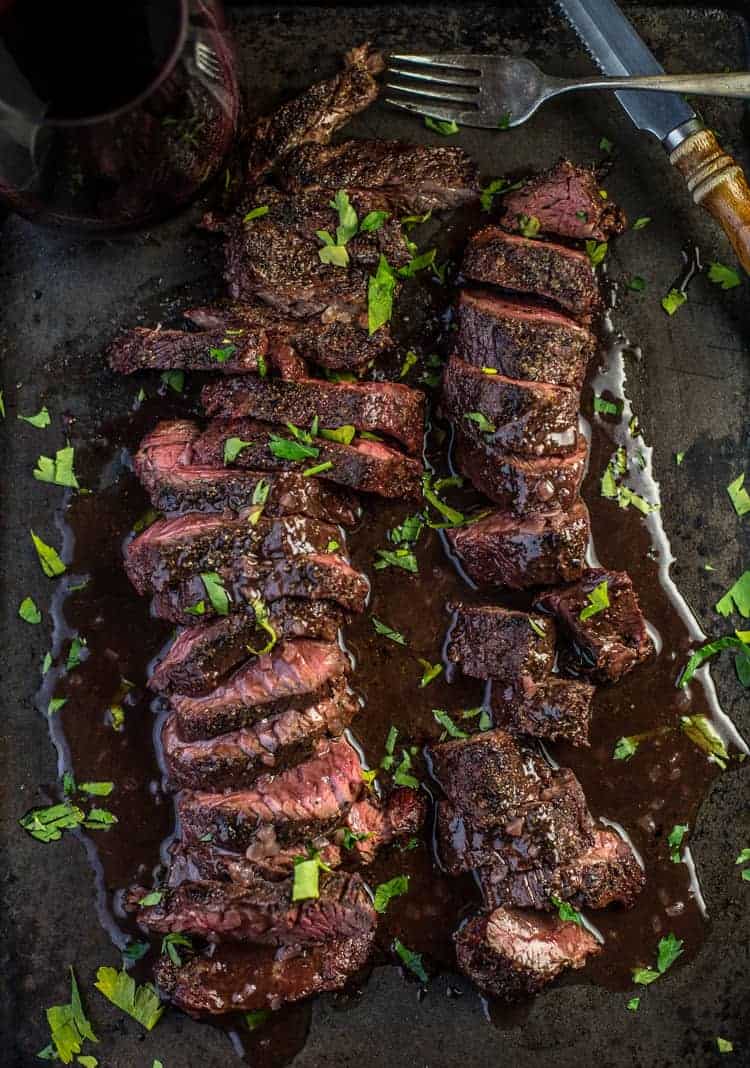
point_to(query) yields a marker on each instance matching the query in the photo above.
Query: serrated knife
(714, 179)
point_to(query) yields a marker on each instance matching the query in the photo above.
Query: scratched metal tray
(62, 296)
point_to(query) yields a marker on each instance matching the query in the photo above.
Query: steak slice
(605, 874)
(264, 913)
(612, 641)
(403, 814)
(202, 656)
(558, 709)
(317, 113)
(180, 487)
(566, 201)
(367, 466)
(535, 550)
(316, 577)
(171, 549)
(156, 349)
(518, 484)
(490, 642)
(378, 407)
(512, 953)
(542, 269)
(237, 759)
(416, 177)
(529, 418)
(291, 671)
(248, 979)
(522, 341)
(296, 805)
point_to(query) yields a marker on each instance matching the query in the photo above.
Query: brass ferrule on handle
(718, 184)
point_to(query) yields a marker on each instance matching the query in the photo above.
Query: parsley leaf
(142, 1003)
(673, 300)
(288, 449)
(342, 434)
(254, 1020)
(485, 426)
(632, 1005)
(566, 912)
(739, 496)
(641, 221)
(171, 941)
(216, 592)
(401, 775)
(606, 145)
(705, 653)
(674, 840)
(418, 263)
(373, 221)
(596, 251)
(402, 558)
(598, 599)
(306, 883)
(47, 824)
(413, 961)
(724, 1045)
(385, 892)
(441, 126)
(669, 949)
(607, 407)
(58, 471)
(445, 721)
(174, 380)
(263, 622)
(529, 225)
(702, 733)
(69, 1026)
(726, 277)
(736, 598)
(221, 355)
(388, 632)
(40, 420)
(380, 290)
(409, 360)
(430, 672)
(625, 748)
(489, 192)
(637, 283)
(256, 213)
(28, 611)
(51, 563)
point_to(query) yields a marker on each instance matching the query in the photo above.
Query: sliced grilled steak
(144, 349)
(605, 874)
(317, 113)
(537, 268)
(202, 656)
(555, 708)
(175, 484)
(292, 671)
(415, 177)
(367, 466)
(317, 577)
(529, 418)
(380, 407)
(566, 201)
(520, 485)
(245, 979)
(237, 759)
(295, 805)
(264, 913)
(402, 815)
(275, 257)
(172, 549)
(612, 641)
(536, 550)
(522, 341)
(490, 642)
(513, 953)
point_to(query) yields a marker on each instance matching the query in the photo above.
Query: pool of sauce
(644, 797)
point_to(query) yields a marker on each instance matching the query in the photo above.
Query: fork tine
(448, 114)
(434, 94)
(446, 60)
(440, 78)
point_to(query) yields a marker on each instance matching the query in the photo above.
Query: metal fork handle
(730, 85)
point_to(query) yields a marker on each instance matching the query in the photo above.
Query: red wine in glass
(113, 113)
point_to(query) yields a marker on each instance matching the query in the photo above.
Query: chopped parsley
(674, 299)
(641, 222)
(429, 672)
(388, 632)
(40, 420)
(373, 221)
(58, 471)
(292, 449)
(380, 290)
(739, 496)
(344, 435)
(702, 733)
(485, 720)
(409, 360)
(47, 824)
(596, 251)
(625, 748)
(744, 858)
(390, 745)
(411, 960)
(705, 652)
(598, 600)
(637, 283)
(140, 1002)
(254, 1020)
(197, 609)
(723, 1045)
(490, 191)
(69, 1028)
(77, 646)
(221, 355)
(407, 532)
(726, 277)
(418, 263)
(56, 704)
(174, 380)
(306, 883)
(152, 898)
(669, 949)
(632, 1005)
(504, 121)
(28, 611)
(566, 912)
(317, 469)
(169, 944)
(537, 627)
(606, 407)
(444, 720)
(737, 598)
(453, 518)
(401, 775)
(441, 126)
(674, 841)
(350, 838)
(256, 213)
(262, 621)
(678, 458)
(606, 145)
(135, 951)
(529, 225)
(385, 892)
(216, 592)
(402, 558)
(485, 426)
(51, 563)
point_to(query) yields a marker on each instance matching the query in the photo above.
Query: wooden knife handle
(719, 185)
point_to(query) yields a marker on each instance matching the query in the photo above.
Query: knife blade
(616, 48)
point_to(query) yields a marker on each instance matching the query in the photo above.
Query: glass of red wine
(113, 113)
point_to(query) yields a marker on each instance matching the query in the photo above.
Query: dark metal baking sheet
(62, 297)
